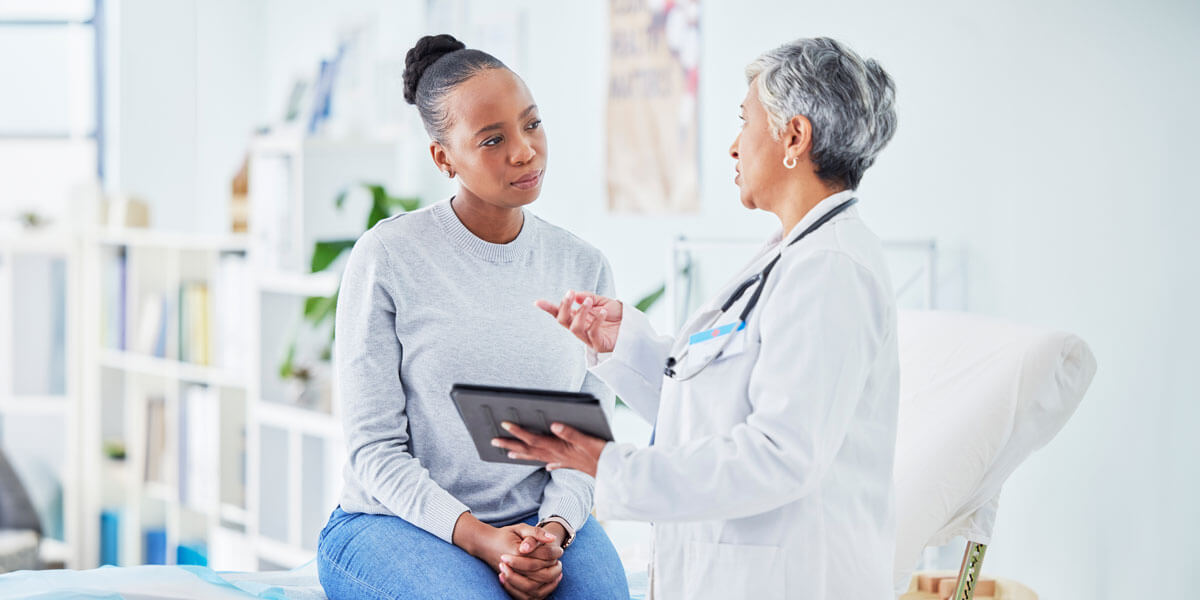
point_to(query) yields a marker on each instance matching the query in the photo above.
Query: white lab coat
(771, 473)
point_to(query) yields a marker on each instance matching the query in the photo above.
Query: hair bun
(427, 51)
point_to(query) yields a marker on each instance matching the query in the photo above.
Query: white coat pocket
(737, 344)
(711, 351)
(713, 570)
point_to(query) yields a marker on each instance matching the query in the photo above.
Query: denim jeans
(383, 557)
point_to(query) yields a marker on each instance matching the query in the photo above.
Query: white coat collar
(765, 253)
(818, 211)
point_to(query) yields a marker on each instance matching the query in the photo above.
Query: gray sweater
(425, 304)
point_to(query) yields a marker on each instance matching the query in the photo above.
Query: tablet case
(484, 407)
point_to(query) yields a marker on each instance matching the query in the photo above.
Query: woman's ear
(440, 159)
(798, 138)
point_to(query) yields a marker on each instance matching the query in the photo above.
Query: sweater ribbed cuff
(568, 507)
(439, 515)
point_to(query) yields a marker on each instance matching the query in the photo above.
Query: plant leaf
(378, 213)
(319, 308)
(379, 204)
(407, 203)
(324, 253)
(285, 369)
(645, 303)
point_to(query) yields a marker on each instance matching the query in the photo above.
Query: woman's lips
(528, 182)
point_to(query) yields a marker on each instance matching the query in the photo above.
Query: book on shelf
(155, 546)
(194, 323)
(110, 537)
(151, 336)
(273, 245)
(193, 552)
(233, 457)
(230, 307)
(199, 448)
(115, 273)
(156, 433)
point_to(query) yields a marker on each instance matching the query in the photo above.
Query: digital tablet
(484, 407)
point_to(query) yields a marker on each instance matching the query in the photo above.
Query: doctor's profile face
(496, 145)
(758, 154)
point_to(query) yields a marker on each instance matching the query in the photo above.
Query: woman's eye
(535, 124)
(492, 141)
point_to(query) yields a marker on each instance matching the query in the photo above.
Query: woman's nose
(523, 153)
(733, 148)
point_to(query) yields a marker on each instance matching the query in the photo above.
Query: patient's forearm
(469, 533)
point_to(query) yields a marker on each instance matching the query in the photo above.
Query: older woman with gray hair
(770, 471)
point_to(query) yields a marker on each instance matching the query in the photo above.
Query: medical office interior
(176, 177)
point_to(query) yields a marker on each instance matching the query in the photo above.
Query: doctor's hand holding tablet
(595, 322)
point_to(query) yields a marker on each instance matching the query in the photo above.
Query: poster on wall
(653, 142)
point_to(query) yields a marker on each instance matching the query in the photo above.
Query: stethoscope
(729, 329)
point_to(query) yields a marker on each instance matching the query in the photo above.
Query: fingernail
(506, 558)
(512, 454)
(496, 442)
(568, 295)
(556, 428)
(506, 425)
(552, 466)
(604, 312)
(524, 547)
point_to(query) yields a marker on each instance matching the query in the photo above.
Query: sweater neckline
(462, 237)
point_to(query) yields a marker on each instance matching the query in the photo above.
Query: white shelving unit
(143, 396)
(296, 453)
(278, 468)
(39, 378)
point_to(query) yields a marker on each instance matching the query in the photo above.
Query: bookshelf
(39, 380)
(166, 371)
(225, 461)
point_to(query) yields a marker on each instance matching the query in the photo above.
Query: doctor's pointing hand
(769, 474)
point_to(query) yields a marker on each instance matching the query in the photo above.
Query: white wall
(183, 98)
(1047, 142)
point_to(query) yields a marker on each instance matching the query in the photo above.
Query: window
(51, 118)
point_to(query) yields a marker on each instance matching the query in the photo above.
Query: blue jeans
(384, 558)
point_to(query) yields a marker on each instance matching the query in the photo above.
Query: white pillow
(977, 396)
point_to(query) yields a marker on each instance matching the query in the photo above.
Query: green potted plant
(319, 310)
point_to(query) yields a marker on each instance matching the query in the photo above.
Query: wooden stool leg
(968, 573)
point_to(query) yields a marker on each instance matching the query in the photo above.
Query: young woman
(421, 515)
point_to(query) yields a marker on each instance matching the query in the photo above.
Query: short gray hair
(850, 102)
